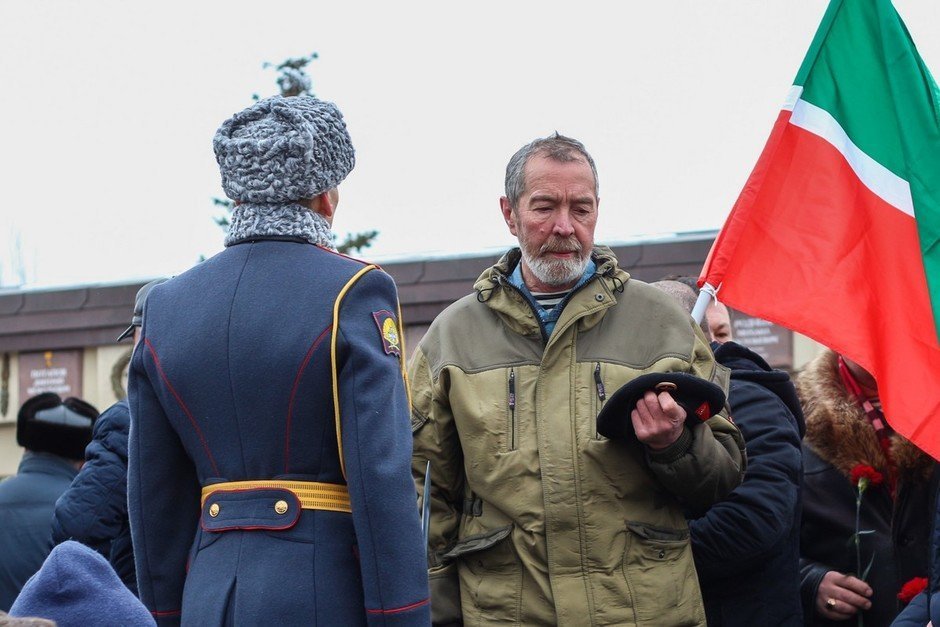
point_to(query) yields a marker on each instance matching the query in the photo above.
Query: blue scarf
(550, 316)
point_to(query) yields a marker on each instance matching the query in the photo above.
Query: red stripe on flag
(809, 247)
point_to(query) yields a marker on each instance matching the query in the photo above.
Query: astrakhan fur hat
(283, 149)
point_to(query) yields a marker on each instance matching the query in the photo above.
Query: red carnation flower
(912, 588)
(864, 471)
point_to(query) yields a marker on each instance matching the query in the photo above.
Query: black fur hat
(47, 424)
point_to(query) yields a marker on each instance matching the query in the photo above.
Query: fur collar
(838, 430)
(292, 220)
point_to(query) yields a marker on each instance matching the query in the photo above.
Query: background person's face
(719, 322)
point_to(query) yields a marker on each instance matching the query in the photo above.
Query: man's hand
(840, 597)
(658, 420)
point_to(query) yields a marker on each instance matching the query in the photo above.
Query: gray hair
(556, 147)
(685, 295)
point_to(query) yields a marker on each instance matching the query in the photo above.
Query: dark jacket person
(842, 432)
(270, 434)
(746, 547)
(93, 510)
(54, 433)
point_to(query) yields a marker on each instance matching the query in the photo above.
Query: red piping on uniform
(293, 393)
(339, 254)
(167, 613)
(399, 610)
(166, 381)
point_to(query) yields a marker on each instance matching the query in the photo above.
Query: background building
(63, 340)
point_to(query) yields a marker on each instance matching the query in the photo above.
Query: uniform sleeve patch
(388, 331)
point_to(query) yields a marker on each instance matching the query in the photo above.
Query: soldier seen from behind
(270, 433)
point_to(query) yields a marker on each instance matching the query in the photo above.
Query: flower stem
(858, 550)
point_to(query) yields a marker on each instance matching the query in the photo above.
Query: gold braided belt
(311, 494)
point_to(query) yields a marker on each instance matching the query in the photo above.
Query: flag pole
(707, 293)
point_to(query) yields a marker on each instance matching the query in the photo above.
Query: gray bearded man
(535, 517)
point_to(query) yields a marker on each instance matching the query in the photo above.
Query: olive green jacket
(535, 518)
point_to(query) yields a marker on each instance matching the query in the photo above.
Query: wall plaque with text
(50, 371)
(771, 341)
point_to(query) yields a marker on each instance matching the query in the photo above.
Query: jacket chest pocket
(661, 577)
(510, 444)
(515, 382)
(598, 398)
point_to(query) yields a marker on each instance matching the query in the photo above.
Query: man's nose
(563, 225)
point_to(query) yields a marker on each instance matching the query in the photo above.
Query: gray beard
(288, 220)
(555, 272)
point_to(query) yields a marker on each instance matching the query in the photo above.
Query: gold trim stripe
(311, 494)
(404, 369)
(336, 306)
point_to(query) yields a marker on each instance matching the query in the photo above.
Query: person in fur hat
(270, 446)
(848, 444)
(54, 433)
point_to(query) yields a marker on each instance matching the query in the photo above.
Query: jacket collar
(46, 464)
(494, 289)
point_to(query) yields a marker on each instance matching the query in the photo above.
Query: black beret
(699, 398)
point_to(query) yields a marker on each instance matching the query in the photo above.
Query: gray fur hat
(283, 149)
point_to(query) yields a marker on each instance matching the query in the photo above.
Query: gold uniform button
(214, 510)
(280, 507)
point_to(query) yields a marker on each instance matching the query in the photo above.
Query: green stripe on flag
(864, 69)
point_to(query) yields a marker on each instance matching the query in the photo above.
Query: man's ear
(508, 215)
(325, 206)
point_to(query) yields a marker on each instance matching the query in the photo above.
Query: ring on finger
(830, 603)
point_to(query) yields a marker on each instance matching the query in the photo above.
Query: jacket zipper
(512, 409)
(601, 396)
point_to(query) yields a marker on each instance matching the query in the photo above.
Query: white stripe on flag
(880, 180)
(792, 96)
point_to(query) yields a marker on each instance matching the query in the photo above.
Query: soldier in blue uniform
(269, 478)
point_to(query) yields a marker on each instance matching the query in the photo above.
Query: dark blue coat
(93, 510)
(926, 606)
(26, 503)
(232, 381)
(746, 547)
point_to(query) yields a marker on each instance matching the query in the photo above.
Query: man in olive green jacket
(535, 518)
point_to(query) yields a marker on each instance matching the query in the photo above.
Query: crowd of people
(565, 445)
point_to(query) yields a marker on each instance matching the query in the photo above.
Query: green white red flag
(835, 235)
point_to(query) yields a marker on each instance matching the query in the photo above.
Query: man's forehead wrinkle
(544, 195)
(578, 197)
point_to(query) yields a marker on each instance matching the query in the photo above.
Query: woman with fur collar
(845, 429)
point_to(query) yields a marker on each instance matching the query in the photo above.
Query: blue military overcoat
(274, 360)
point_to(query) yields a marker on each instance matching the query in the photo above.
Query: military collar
(269, 238)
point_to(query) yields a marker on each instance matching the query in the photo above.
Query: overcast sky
(109, 108)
